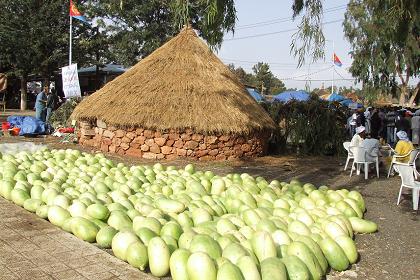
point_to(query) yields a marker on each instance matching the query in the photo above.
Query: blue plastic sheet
(335, 97)
(255, 94)
(299, 95)
(28, 125)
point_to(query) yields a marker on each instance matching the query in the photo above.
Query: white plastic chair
(360, 159)
(350, 156)
(411, 162)
(407, 181)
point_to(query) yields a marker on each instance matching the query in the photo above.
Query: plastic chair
(407, 181)
(411, 162)
(350, 156)
(360, 159)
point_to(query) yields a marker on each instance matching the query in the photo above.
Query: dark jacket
(390, 118)
(403, 124)
(361, 119)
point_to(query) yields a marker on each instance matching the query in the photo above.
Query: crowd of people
(397, 127)
(384, 124)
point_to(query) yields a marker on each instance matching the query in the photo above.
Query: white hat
(360, 129)
(402, 135)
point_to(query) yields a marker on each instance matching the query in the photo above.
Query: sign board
(71, 86)
(353, 106)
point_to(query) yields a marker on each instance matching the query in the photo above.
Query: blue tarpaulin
(255, 94)
(335, 97)
(347, 102)
(299, 95)
(28, 125)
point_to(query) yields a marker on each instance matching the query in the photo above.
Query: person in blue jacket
(40, 104)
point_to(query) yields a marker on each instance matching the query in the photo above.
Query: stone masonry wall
(169, 144)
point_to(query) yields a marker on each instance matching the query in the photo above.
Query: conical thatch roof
(180, 85)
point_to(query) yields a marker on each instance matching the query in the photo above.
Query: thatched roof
(180, 85)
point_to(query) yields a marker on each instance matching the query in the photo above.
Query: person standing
(375, 125)
(40, 104)
(402, 123)
(390, 127)
(360, 120)
(382, 129)
(50, 105)
(352, 124)
(415, 128)
(368, 114)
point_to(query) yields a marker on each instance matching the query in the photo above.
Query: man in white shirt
(357, 139)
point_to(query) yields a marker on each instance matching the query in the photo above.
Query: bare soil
(390, 253)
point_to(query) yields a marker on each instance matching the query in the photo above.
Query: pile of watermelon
(187, 223)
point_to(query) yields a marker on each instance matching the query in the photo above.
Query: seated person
(404, 146)
(372, 148)
(357, 139)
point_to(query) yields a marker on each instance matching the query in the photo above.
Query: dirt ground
(391, 253)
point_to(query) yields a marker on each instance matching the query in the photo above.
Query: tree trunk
(414, 95)
(23, 93)
(403, 94)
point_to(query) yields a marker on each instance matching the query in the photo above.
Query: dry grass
(181, 85)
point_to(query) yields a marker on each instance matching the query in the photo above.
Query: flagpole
(333, 69)
(71, 39)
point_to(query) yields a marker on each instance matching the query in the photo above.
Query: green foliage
(309, 40)
(134, 28)
(212, 17)
(313, 127)
(35, 37)
(261, 78)
(61, 116)
(384, 36)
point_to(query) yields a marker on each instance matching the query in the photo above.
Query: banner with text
(71, 86)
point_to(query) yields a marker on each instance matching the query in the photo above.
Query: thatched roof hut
(182, 85)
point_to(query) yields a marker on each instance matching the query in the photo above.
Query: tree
(384, 36)
(15, 46)
(34, 39)
(246, 78)
(220, 16)
(137, 28)
(309, 40)
(266, 80)
(277, 86)
(263, 76)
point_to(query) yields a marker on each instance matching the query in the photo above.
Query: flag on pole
(337, 60)
(74, 12)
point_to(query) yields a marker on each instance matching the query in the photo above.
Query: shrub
(60, 117)
(311, 127)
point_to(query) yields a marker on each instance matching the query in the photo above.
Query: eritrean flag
(74, 12)
(337, 60)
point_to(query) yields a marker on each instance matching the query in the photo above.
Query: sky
(275, 49)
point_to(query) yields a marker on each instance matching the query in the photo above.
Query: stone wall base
(170, 144)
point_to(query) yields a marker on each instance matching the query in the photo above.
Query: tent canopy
(286, 96)
(348, 102)
(335, 97)
(255, 94)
